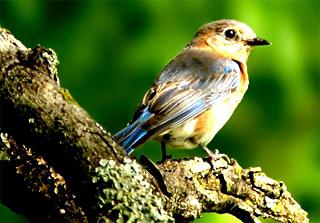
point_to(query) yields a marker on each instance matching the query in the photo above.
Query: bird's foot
(165, 157)
(215, 156)
(218, 155)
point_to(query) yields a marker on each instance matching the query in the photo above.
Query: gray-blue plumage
(185, 88)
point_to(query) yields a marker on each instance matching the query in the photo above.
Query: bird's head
(230, 38)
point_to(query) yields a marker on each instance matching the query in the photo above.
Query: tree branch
(57, 164)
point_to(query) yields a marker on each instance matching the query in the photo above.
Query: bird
(196, 93)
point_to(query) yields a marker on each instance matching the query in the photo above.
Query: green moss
(4, 143)
(67, 96)
(4, 155)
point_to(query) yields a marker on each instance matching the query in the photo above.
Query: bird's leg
(164, 152)
(214, 156)
(208, 151)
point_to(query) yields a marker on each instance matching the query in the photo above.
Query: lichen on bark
(131, 196)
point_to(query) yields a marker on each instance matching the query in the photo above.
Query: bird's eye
(230, 33)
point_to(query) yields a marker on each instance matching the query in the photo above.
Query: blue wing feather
(133, 139)
(130, 136)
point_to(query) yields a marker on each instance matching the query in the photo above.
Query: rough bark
(58, 164)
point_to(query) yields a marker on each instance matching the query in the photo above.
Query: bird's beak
(257, 41)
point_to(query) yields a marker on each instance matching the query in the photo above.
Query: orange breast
(205, 123)
(244, 78)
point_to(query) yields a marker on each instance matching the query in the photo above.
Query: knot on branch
(44, 60)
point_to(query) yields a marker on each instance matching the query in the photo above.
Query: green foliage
(111, 51)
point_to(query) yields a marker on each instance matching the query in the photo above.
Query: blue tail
(133, 134)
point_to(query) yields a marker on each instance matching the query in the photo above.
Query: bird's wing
(185, 92)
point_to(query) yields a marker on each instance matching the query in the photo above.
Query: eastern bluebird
(197, 92)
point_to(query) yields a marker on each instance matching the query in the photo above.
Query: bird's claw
(213, 157)
(218, 155)
(165, 157)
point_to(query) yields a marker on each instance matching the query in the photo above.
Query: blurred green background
(111, 51)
